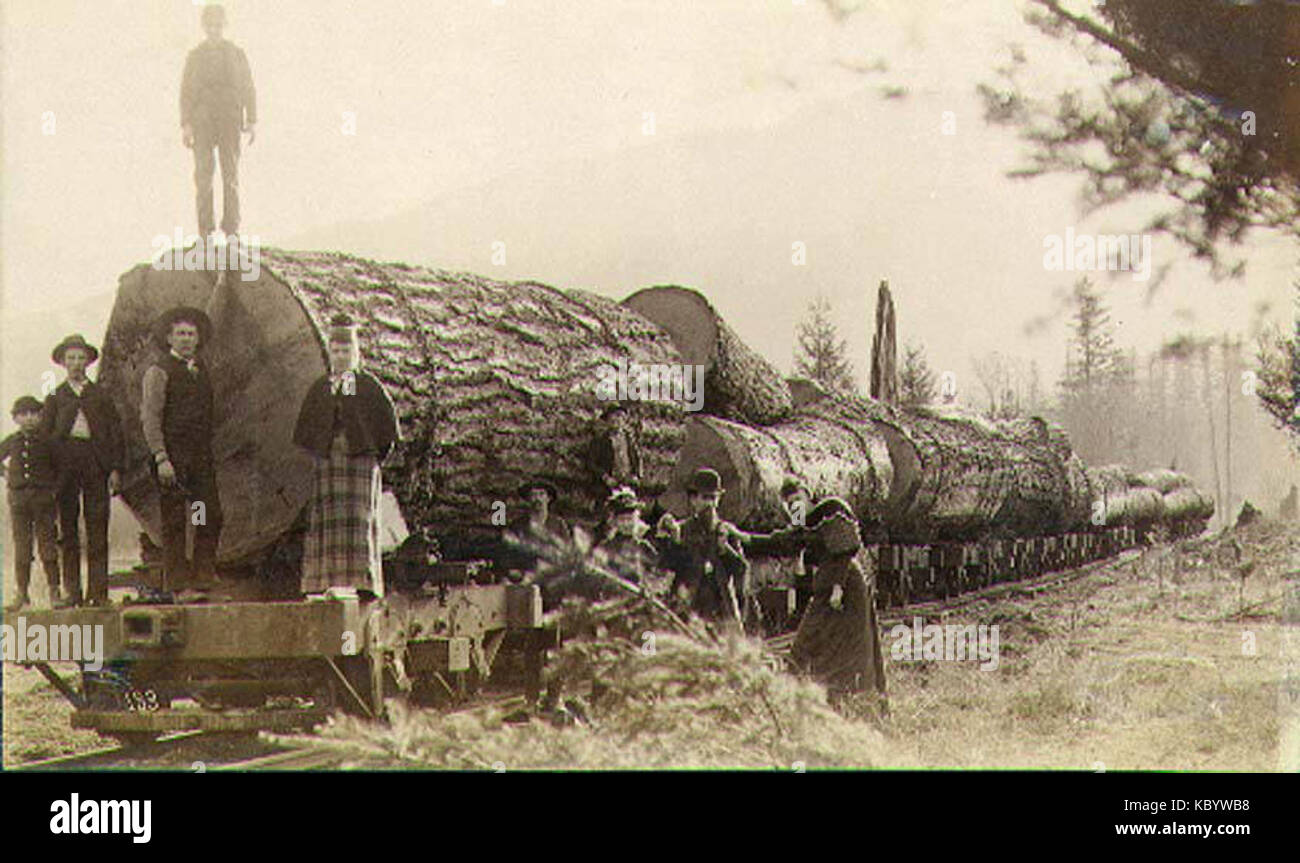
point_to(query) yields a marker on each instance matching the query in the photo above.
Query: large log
(738, 384)
(1129, 497)
(920, 477)
(493, 382)
(829, 454)
(961, 476)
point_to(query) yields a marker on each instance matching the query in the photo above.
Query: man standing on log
(176, 412)
(348, 424)
(616, 451)
(85, 429)
(218, 103)
(706, 556)
(838, 641)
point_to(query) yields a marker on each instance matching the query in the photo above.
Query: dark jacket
(60, 412)
(706, 561)
(217, 87)
(366, 416)
(32, 461)
(618, 454)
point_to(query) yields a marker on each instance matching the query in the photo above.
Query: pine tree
(1098, 381)
(821, 354)
(916, 379)
(1092, 355)
(1278, 376)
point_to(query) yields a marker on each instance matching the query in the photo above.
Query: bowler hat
(623, 500)
(75, 341)
(704, 481)
(531, 484)
(26, 405)
(182, 314)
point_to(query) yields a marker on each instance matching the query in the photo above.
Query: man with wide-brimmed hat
(706, 555)
(218, 104)
(32, 477)
(177, 413)
(530, 546)
(529, 540)
(348, 424)
(85, 428)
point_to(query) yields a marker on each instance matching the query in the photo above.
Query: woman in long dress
(836, 641)
(348, 424)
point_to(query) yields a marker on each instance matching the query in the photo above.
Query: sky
(610, 144)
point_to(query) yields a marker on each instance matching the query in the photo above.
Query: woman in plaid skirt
(348, 424)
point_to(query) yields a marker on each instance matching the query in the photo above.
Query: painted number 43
(141, 701)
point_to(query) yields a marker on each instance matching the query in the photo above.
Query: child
(32, 479)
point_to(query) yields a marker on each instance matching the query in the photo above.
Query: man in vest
(177, 414)
(218, 104)
(85, 429)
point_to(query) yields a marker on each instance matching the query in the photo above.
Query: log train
(495, 383)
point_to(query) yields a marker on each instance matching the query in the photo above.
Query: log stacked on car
(739, 384)
(496, 382)
(493, 382)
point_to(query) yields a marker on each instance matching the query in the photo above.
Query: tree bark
(493, 383)
(830, 455)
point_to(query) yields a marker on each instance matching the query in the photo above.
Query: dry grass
(1143, 666)
(36, 718)
(686, 705)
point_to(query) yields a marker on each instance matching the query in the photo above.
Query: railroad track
(1029, 587)
(180, 750)
(939, 608)
(206, 750)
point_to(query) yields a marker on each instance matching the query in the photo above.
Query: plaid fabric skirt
(341, 548)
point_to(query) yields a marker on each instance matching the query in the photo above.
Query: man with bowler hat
(85, 429)
(706, 556)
